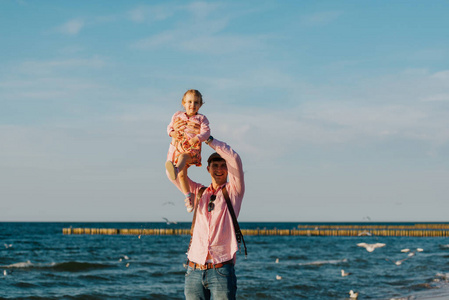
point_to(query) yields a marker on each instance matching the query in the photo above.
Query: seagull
(278, 277)
(365, 233)
(8, 246)
(124, 257)
(398, 262)
(371, 247)
(412, 253)
(277, 260)
(169, 203)
(409, 255)
(5, 272)
(353, 295)
(344, 274)
(169, 222)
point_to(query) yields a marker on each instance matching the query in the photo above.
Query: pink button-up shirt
(214, 232)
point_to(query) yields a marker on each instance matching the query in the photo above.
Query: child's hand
(194, 141)
(176, 135)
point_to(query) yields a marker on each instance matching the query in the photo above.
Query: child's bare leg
(182, 175)
(173, 169)
(183, 165)
(183, 160)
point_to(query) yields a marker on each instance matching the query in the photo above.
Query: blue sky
(339, 109)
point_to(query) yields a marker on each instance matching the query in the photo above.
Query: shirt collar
(211, 189)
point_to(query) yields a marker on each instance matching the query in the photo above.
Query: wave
(25, 264)
(324, 262)
(71, 266)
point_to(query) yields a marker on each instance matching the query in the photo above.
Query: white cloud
(53, 79)
(146, 13)
(437, 98)
(442, 75)
(137, 14)
(320, 18)
(156, 41)
(200, 29)
(53, 66)
(201, 9)
(207, 43)
(72, 27)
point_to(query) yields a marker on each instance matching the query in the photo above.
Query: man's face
(218, 171)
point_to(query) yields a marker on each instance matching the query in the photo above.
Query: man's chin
(220, 180)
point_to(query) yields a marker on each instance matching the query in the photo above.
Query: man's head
(217, 168)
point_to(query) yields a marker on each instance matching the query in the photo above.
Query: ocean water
(38, 262)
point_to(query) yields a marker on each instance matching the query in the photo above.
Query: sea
(37, 261)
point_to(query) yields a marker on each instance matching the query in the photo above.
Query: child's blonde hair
(196, 93)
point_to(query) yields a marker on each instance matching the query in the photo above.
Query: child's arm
(170, 128)
(204, 130)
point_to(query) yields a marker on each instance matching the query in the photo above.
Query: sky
(338, 109)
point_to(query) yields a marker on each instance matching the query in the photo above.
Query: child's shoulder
(200, 116)
(179, 113)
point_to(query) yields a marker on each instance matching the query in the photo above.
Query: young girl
(185, 148)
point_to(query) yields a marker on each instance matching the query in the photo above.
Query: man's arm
(194, 186)
(234, 165)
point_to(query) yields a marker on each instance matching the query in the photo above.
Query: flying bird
(169, 222)
(365, 233)
(398, 262)
(371, 247)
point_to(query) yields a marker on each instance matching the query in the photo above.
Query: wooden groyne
(418, 230)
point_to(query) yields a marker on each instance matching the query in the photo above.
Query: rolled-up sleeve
(236, 182)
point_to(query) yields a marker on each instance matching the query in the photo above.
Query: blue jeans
(216, 284)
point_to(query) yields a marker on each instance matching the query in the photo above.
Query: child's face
(191, 104)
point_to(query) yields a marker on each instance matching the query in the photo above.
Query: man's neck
(216, 186)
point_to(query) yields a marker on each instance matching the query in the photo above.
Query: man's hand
(179, 125)
(195, 127)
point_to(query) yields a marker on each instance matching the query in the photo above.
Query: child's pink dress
(197, 125)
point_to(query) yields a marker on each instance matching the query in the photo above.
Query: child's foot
(171, 169)
(189, 202)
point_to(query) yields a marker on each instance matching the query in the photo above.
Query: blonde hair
(196, 93)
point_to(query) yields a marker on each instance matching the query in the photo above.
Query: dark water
(38, 262)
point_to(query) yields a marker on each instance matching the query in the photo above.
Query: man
(212, 253)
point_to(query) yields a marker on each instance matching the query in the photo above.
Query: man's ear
(208, 169)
